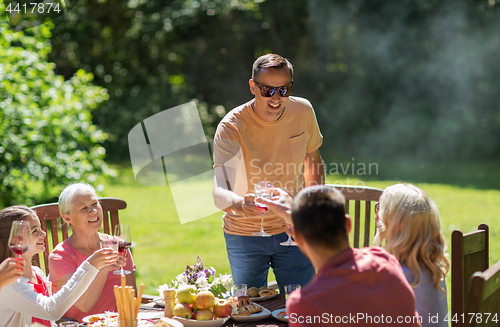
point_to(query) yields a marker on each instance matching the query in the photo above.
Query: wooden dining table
(273, 304)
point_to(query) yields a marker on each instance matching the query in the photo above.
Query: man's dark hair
(271, 60)
(319, 216)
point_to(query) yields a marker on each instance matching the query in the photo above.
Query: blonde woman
(408, 222)
(80, 207)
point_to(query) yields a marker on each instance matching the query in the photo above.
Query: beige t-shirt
(270, 151)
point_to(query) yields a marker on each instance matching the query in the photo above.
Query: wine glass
(109, 244)
(122, 232)
(20, 238)
(290, 241)
(289, 289)
(262, 190)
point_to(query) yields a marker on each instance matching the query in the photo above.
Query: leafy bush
(47, 135)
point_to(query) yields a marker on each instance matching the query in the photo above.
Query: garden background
(411, 86)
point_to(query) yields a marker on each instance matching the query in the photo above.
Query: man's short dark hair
(319, 216)
(271, 60)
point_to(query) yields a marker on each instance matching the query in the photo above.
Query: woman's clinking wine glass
(122, 233)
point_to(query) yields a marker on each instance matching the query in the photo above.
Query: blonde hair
(410, 225)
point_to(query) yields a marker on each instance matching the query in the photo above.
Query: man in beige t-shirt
(275, 138)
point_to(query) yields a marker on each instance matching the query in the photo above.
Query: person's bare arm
(314, 171)
(228, 201)
(93, 293)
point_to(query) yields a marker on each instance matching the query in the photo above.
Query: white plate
(151, 315)
(159, 301)
(172, 322)
(141, 315)
(263, 298)
(99, 315)
(202, 323)
(276, 312)
(254, 317)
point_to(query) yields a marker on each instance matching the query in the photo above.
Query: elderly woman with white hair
(79, 207)
(408, 221)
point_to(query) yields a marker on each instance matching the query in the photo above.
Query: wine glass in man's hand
(262, 190)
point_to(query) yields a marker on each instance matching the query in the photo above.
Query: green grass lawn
(164, 246)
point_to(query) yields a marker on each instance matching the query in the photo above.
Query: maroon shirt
(358, 287)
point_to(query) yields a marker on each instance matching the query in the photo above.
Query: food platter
(254, 317)
(90, 318)
(263, 298)
(202, 323)
(278, 314)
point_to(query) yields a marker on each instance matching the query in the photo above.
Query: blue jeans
(251, 256)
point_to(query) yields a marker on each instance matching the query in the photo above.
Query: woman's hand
(103, 258)
(122, 260)
(10, 270)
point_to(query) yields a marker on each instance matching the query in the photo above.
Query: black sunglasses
(377, 208)
(268, 91)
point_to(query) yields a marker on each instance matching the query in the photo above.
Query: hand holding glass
(109, 244)
(20, 238)
(122, 232)
(262, 190)
(290, 241)
(289, 289)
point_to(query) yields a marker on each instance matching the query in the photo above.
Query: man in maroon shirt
(352, 287)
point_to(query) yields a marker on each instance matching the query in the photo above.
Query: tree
(156, 54)
(46, 133)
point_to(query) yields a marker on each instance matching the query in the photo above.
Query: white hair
(69, 193)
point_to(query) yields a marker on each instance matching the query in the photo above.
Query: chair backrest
(469, 253)
(483, 300)
(52, 223)
(355, 195)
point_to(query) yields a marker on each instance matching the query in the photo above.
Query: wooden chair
(356, 195)
(483, 300)
(52, 223)
(469, 254)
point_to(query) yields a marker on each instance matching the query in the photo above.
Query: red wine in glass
(20, 238)
(122, 233)
(20, 249)
(123, 246)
